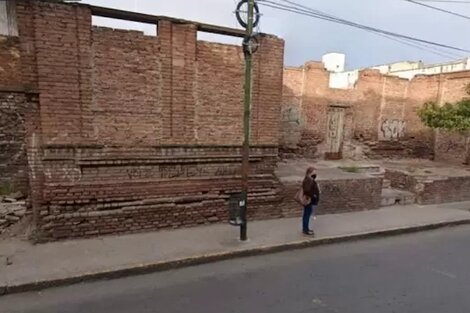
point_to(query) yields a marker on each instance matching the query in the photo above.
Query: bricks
(432, 190)
(338, 196)
(10, 65)
(15, 107)
(136, 132)
(374, 108)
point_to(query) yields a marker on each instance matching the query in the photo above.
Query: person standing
(311, 190)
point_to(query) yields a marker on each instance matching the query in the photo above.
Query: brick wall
(337, 196)
(381, 110)
(149, 188)
(10, 65)
(137, 132)
(432, 190)
(13, 160)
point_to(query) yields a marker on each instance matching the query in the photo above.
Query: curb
(210, 258)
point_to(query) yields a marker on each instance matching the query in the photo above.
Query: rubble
(12, 210)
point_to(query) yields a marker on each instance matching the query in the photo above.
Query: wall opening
(217, 38)
(147, 29)
(8, 25)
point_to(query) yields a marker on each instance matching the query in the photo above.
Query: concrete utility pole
(246, 119)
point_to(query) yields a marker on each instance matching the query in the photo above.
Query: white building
(423, 69)
(340, 79)
(334, 62)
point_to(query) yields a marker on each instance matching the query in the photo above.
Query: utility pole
(246, 119)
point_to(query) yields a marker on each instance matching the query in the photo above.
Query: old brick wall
(381, 116)
(221, 67)
(432, 190)
(10, 65)
(126, 104)
(13, 160)
(292, 122)
(13, 108)
(142, 132)
(305, 104)
(337, 196)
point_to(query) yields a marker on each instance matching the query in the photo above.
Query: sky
(307, 38)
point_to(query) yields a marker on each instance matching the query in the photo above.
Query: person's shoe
(309, 233)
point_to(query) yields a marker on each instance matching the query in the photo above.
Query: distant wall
(338, 196)
(381, 110)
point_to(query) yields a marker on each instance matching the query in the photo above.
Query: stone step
(392, 196)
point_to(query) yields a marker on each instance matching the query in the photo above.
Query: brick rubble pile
(12, 210)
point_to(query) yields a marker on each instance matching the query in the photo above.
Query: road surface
(427, 272)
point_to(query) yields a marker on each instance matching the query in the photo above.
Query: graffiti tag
(393, 129)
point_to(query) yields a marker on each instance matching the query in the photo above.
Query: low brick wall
(432, 190)
(401, 180)
(92, 191)
(338, 196)
(450, 189)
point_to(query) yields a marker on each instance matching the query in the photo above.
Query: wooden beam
(154, 19)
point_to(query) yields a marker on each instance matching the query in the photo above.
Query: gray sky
(308, 39)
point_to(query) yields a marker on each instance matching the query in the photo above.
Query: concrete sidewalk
(25, 267)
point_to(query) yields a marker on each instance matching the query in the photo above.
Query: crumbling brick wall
(13, 160)
(143, 132)
(383, 113)
(337, 196)
(13, 108)
(10, 65)
(429, 189)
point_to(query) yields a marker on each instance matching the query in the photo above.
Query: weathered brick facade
(136, 132)
(380, 113)
(14, 105)
(432, 189)
(337, 196)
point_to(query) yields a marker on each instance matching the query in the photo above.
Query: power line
(444, 1)
(420, 46)
(438, 9)
(423, 47)
(323, 16)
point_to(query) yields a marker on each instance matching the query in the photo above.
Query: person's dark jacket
(311, 189)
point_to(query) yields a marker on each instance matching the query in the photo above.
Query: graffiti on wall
(393, 129)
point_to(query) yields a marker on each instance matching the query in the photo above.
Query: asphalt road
(425, 272)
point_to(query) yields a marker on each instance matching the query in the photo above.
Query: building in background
(341, 79)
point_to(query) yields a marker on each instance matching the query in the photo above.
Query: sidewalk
(53, 264)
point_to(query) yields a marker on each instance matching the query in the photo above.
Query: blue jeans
(309, 210)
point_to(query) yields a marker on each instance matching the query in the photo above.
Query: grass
(351, 169)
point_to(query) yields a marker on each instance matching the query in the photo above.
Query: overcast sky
(308, 39)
